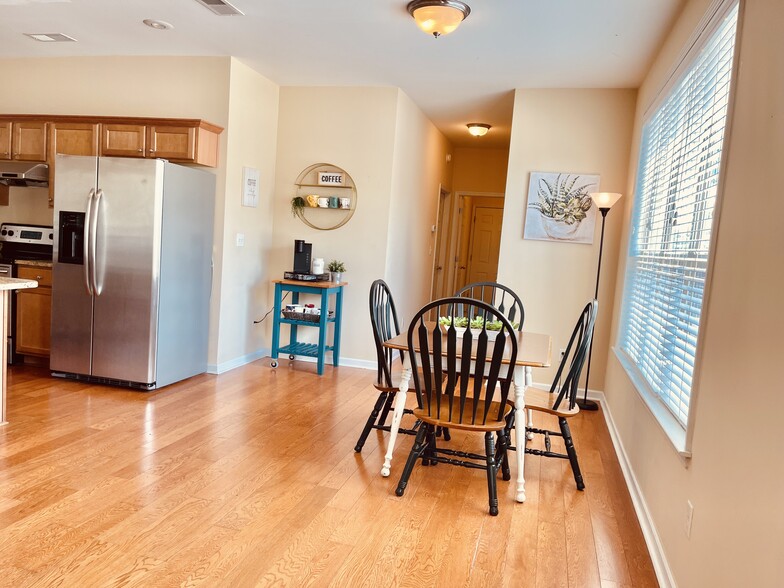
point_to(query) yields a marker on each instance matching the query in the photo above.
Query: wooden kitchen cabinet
(71, 139)
(5, 139)
(124, 140)
(23, 140)
(34, 312)
(170, 142)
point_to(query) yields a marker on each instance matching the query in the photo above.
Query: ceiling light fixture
(158, 25)
(438, 17)
(478, 129)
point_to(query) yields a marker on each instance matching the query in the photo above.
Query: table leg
(397, 414)
(322, 335)
(519, 388)
(528, 381)
(336, 330)
(276, 324)
(3, 356)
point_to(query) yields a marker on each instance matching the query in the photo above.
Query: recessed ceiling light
(51, 37)
(478, 129)
(158, 24)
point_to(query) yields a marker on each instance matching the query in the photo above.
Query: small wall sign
(250, 186)
(330, 178)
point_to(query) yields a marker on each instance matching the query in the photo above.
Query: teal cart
(294, 348)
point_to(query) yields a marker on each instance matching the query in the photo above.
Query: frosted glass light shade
(605, 199)
(438, 17)
(478, 129)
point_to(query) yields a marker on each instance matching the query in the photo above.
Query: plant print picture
(560, 208)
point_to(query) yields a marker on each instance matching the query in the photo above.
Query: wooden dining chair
(385, 325)
(561, 399)
(500, 296)
(462, 381)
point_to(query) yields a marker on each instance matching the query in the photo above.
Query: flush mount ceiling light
(158, 25)
(438, 17)
(51, 37)
(478, 129)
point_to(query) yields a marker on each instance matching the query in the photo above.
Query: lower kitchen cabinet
(34, 312)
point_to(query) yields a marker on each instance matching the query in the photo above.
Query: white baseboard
(245, 359)
(236, 362)
(660, 565)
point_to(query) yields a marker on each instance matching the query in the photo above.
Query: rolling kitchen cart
(324, 290)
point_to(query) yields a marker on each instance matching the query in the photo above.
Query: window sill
(670, 425)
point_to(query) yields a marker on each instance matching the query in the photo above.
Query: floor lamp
(604, 201)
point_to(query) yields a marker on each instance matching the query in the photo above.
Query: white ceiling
(467, 76)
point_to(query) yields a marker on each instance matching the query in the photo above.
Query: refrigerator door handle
(94, 243)
(87, 238)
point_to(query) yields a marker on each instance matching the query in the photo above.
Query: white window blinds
(670, 236)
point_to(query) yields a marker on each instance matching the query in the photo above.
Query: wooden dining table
(533, 350)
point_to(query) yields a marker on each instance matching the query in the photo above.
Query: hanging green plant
(297, 205)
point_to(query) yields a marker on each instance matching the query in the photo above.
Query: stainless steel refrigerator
(132, 271)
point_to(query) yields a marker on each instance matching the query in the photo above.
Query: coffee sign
(330, 179)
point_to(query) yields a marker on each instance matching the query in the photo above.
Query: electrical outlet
(240, 240)
(689, 517)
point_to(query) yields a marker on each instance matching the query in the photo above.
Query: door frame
(443, 238)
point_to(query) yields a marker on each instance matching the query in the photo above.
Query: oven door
(6, 271)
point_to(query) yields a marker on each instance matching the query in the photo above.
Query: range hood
(24, 173)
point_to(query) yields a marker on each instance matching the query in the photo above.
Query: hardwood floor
(250, 479)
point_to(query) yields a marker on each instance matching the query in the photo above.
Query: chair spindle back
(383, 319)
(574, 357)
(450, 370)
(501, 297)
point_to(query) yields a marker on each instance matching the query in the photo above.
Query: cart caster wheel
(273, 364)
(291, 357)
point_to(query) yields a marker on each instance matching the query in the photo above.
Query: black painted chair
(561, 399)
(457, 392)
(383, 319)
(500, 296)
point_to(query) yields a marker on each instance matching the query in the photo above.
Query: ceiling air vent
(51, 37)
(221, 7)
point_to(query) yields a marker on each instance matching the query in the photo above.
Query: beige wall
(353, 128)
(479, 170)
(577, 131)
(735, 479)
(251, 142)
(419, 169)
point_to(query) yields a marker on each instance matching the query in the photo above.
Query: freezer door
(127, 268)
(72, 304)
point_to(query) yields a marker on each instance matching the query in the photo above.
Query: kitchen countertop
(16, 284)
(33, 262)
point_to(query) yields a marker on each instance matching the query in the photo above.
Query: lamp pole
(604, 200)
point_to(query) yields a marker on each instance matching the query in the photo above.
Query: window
(670, 237)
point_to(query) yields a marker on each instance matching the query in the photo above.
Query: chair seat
(443, 419)
(542, 400)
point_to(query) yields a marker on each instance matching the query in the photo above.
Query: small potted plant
(336, 268)
(297, 205)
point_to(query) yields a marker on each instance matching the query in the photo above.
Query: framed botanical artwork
(560, 208)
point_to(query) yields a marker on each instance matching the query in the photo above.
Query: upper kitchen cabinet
(71, 138)
(124, 140)
(23, 140)
(38, 137)
(186, 141)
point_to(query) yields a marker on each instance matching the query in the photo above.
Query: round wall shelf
(329, 194)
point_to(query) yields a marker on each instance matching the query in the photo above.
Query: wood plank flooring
(250, 479)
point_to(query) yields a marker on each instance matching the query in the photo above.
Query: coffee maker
(302, 253)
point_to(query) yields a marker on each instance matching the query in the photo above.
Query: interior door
(442, 236)
(485, 244)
